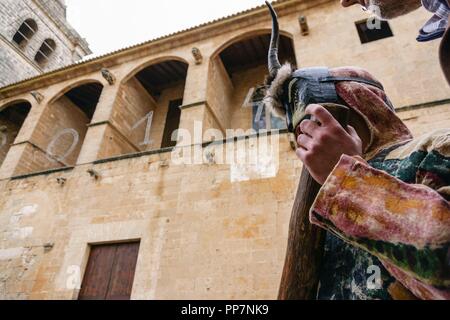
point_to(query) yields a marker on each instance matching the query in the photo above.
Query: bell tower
(35, 37)
(56, 8)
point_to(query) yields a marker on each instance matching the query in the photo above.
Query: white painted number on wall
(51, 146)
(248, 99)
(259, 112)
(149, 119)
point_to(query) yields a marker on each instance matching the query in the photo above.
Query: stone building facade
(88, 158)
(35, 37)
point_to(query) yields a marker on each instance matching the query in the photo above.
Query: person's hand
(322, 143)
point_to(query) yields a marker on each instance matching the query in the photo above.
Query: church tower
(35, 38)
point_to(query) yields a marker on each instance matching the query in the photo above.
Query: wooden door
(110, 272)
(172, 123)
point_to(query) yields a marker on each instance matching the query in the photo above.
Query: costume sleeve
(407, 226)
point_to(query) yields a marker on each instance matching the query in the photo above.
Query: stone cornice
(165, 43)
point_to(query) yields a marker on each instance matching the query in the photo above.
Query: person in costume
(385, 195)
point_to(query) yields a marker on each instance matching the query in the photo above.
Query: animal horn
(273, 61)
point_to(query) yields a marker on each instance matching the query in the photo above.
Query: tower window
(373, 30)
(26, 31)
(45, 51)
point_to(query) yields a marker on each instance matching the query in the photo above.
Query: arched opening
(236, 82)
(59, 135)
(11, 120)
(25, 32)
(45, 52)
(146, 111)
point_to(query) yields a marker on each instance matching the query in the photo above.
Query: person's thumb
(351, 131)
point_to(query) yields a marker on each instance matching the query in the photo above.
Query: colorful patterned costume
(390, 207)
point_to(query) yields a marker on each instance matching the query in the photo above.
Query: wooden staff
(300, 276)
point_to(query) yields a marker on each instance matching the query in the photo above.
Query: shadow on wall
(58, 137)
(236, 82)
(12, 118)
(146, 110)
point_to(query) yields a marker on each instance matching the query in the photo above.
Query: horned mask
(290, 91)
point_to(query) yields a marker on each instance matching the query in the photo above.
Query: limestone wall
(202, 235)
(132, 104)
(220, 92)
(423, 120)
(60, 127)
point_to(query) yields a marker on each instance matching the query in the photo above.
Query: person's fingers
(352, 132)
(309, 127)
(305, 141)
(302, 154)
(321, 114)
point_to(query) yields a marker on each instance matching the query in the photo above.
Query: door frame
(151, 234)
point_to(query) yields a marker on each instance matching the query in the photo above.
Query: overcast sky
(109, 25)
